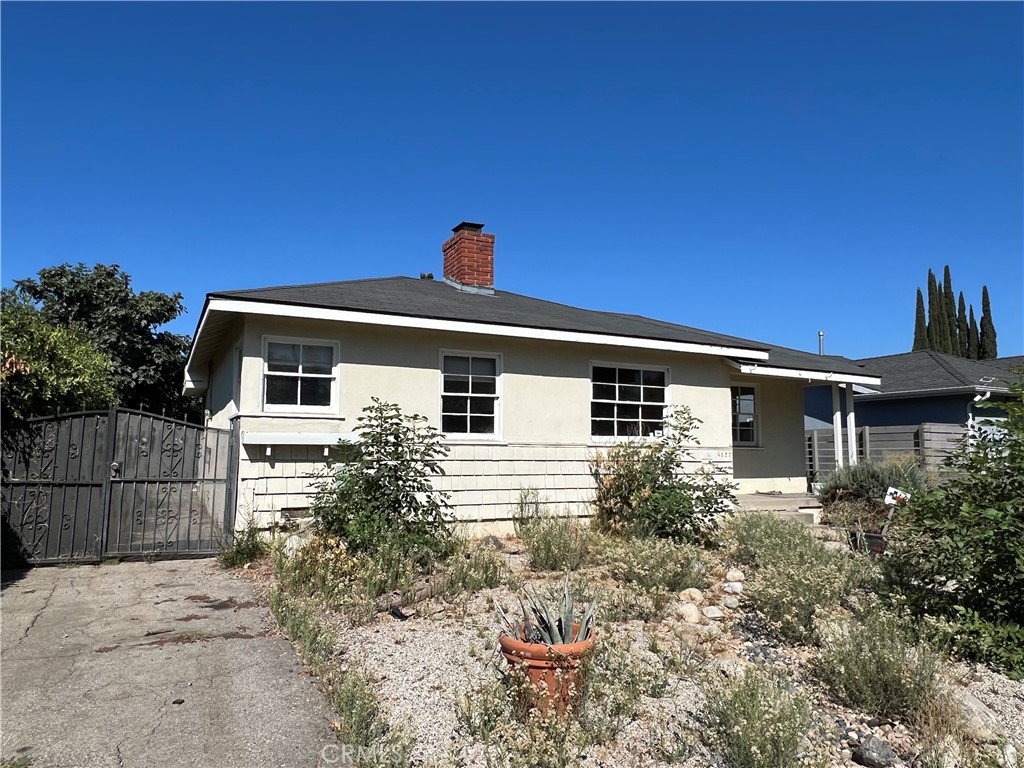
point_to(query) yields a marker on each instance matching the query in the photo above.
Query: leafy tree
(962, 329)
(949, 310)
(960, 549)
(920, 326)
(972, 337)
(987, 345)
(147, 365)
(385, 498)
(47, 368)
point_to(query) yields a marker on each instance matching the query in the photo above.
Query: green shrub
(385, 496)
(245, 547)
(645, 489)
(796, 577)
(853, 496)
(653, 563)
(757, 721)
(755, 538)
(475, 567)
(555, 543)
(959, 552)
(872, 665)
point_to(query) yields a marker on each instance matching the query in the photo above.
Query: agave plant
(549, 619)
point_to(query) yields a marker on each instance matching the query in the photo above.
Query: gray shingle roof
(1007, 363)
(413, 297)
(930, 371)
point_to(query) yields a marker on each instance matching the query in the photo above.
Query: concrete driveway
(151, 664)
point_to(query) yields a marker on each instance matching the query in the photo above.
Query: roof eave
(835, 377)
(248, 306)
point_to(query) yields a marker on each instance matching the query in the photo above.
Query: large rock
(734, 574)
(731, 602)
(874, 753)
(692, 595)
(689, 613)
(733, 587)
(714, 613)
(981, 724)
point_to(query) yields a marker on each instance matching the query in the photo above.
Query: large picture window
(744, 415)
(299, 375)
(627, 402)
(469, 394)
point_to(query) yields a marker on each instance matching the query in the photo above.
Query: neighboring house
(922, 387)
(524, 390)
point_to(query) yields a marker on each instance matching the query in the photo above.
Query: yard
(704, 654)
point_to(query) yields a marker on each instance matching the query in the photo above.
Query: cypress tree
(934, 321)
(962, 330)
(987, 342)
(972, 337)
(920, 326)
(949, 310)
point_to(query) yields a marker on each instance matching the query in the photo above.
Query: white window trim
(757, 414)
(499, 398)
(327, 410)
(601, 440)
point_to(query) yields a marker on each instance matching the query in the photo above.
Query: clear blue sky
(764, 170)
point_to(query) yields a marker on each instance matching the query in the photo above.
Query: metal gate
(84, 486)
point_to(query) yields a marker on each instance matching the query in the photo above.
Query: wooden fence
(929, 442)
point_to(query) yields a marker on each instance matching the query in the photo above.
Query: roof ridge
(939, 357)
(316, 285)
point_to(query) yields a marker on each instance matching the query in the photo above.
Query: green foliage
(550, 618)
(385, 496)
(651, 564)
(872, 665)
(645, 489)
(920, 325)
(987, 346)
(963, 331)
(960, 550)
(972, 338)
(47, 368)
(245, 547)
(757, 721)
(147, 366)
(797, 579)
(852, 496)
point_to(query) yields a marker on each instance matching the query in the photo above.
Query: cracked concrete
(98, 669)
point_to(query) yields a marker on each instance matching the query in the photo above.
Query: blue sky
(764, 170)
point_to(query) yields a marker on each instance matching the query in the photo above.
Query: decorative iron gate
(84, 486)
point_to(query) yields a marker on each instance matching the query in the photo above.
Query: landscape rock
(689, 613)
(981, 723)
(692, 595)
(735, 574)
(731, 602)
(714, 613)
(874, 753)
(733, 587)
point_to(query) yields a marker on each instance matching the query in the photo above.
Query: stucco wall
(544, 433)
(220, 397)
(778, 462)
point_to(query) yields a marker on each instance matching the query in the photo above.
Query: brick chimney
(469, 258)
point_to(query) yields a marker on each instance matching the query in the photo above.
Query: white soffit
(463, 326)
(756, 369)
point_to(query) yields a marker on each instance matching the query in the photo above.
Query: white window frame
(499, 397)
(331, 409)
(756, 443)
(667, 405)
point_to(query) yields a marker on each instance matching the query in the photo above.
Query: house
(524, 390)
(922, 387)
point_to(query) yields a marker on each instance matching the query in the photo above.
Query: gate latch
(115, 468)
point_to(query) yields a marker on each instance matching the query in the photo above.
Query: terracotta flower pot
(552, 670)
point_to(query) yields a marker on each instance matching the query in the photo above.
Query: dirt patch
(190, 617)
(199, 598)
(107, 648)
(221, 605)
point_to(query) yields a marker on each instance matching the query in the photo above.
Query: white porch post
(851, 426)
(837, 426)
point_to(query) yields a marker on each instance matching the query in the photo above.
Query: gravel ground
(423, 665)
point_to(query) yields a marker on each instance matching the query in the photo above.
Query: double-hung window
(744, 415)
(627, 402)
(300, 375)
(469, 393)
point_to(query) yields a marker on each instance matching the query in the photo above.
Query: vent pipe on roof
(821, 343)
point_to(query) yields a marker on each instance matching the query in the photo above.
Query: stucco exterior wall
(543, 436)
(778, 461)
(223, 387)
